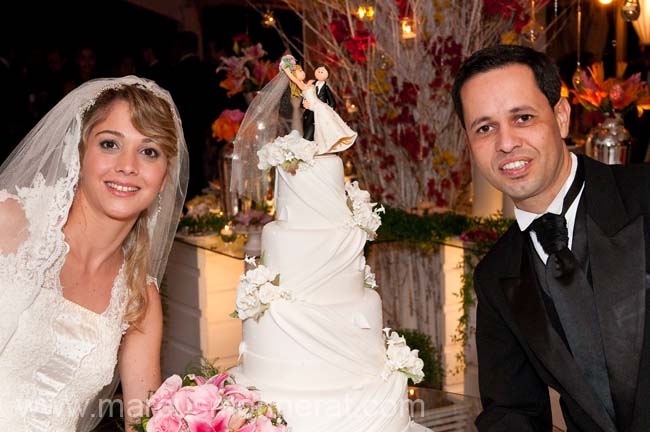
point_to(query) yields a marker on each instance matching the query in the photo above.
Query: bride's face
(122, 171)
(300, 74)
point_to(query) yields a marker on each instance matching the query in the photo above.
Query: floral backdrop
(394, 73)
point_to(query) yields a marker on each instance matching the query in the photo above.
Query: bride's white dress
(61, 354)
(331, 133)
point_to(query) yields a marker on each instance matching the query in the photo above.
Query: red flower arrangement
(356, 45)
(509, 10)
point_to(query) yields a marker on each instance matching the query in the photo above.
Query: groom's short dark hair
(544, 69)
(324, 66)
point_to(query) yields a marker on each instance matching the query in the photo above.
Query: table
(199, 291)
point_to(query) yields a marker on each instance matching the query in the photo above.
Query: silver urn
(609, 142)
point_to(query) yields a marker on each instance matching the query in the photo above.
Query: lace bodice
(58, 360)
(60, 354)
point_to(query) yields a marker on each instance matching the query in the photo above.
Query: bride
(89, 203)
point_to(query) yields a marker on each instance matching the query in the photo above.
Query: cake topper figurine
(323, 92)
(329, 132)
(265, 140)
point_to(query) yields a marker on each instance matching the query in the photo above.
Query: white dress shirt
(319, 84)
(524, 218)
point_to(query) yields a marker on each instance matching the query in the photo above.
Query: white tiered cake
(318, 351)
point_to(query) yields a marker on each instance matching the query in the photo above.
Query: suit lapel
(523, 296)
(641, 417)
(618, 266)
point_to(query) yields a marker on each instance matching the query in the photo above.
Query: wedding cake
(313, 339)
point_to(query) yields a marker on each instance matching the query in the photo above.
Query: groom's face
(515, 136)
(321, 74)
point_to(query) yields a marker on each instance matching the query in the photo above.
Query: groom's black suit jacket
(519, 338)
(308, 127)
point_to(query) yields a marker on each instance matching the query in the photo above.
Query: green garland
(428, 231)
(398, 225)
(210, 222)
(425, 231)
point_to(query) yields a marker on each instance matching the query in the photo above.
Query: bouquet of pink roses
(215, 404)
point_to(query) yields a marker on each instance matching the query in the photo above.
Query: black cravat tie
(552, 233)
(572, 295)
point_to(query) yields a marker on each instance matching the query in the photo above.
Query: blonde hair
(151, 116)
(295, 90)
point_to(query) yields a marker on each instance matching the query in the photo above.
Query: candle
(408, 28)
(226, 231)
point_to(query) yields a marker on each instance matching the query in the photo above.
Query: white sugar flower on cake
(401, 358)
(369, 280)
(364, 213)
(289, 152)
(256, 290)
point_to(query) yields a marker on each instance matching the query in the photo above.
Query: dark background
(116, 31)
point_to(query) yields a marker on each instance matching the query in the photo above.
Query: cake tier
(378, 406)
(319, 266)
(296, 345)
(314, 197)
(320, 355)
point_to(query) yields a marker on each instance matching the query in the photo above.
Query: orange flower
(226, 126)
(233, 85)
(596, 93)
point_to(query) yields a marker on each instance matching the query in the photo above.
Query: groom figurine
(563, 297)
(324, 94)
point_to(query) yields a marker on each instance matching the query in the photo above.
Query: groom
(563, 296)
(324, 93)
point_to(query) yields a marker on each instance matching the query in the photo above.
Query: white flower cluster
(364, 213)
(256, 290)
(290, 152)
(369, 280)
(399, 357)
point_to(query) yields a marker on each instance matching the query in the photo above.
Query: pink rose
(199, 424)
(165, 420)
(235, 116)
(163, 396)
(220, 422)
(250, 427)
(241, 395)
(201, 401)
(261, 424)
(219, 380)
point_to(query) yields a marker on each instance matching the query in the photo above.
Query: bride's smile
(122, 170)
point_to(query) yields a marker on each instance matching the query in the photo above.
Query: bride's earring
(159, 204)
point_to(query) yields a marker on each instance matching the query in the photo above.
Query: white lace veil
(47, 160)
(268, 116)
